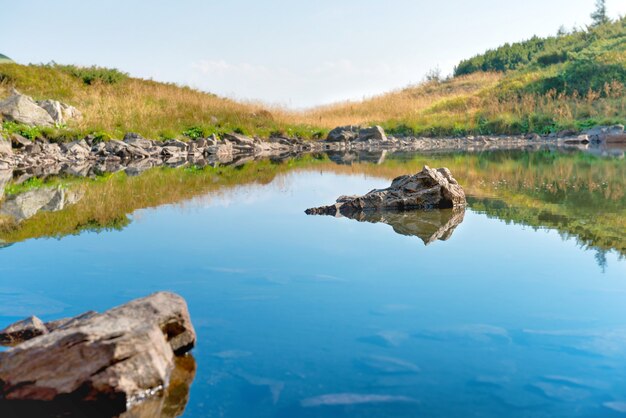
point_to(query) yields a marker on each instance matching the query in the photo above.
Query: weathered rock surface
(60, 112)
(121, 356)
(428, 189)
(427, 225)
(343, 134)
(21, 331)
(375, 133)
(22, 109)
(5, 147)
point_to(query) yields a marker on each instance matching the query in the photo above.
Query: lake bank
(136, 154)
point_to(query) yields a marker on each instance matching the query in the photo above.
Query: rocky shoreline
(136, 154)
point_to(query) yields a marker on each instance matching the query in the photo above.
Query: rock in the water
(22, 109)
(68, 322)
(21, 331)
(343, 134)
(375, 133)
(428, 189)
(120, 356)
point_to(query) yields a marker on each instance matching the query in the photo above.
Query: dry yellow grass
(458, 95)
(475, 103)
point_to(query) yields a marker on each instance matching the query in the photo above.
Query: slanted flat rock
(428, 189)
(121, 356)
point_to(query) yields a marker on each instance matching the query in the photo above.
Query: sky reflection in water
(308, 316)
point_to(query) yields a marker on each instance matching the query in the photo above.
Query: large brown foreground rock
(428, 189)
(119, 357)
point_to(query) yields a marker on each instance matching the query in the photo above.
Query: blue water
(305, 316)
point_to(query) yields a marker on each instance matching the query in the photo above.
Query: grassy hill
(4, 59)
(572, 80)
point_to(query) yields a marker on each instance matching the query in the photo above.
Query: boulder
(21, 331)
(375, 133)
(138, 141)
(428, 189)
(119, 357)
(22, 109)
(343, 134)
(54, 109)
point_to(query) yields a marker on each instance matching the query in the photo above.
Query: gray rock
(176, 144)
(343, 134)
(567, 133)
(54, 109)
(121, 356)
(428, 189)
(21, 331)
(60, 112)
(5, 147)
(78, 149)
(375, 133)
(22, 109)
(18, 141)
(239, 139)
(138, 141)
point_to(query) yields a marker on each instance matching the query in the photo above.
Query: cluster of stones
(119, 357)
(23, 109)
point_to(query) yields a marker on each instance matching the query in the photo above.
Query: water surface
(515, 309)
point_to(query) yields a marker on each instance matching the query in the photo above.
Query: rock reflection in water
(170, 404)
(28, 204)
(427, 225)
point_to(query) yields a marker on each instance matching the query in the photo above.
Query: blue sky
(292, 53)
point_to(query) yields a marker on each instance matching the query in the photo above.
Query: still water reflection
(301, 316)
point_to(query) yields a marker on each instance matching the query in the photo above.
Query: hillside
(4, 59)
(572, 80)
